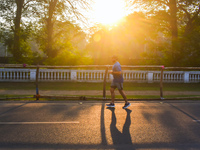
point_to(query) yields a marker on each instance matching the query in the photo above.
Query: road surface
(90, 125)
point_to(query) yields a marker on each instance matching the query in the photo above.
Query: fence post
(161, 83)
(73, 75)
(150, 77)
(186, 77)
(36, 83)
(104, 83)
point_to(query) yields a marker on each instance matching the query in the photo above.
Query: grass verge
(99, 86)
(143, 97)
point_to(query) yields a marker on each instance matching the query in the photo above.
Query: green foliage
(66, 42)
(181, 44)
(61, 40)
(68, 58)
(17, 30)
(128, 40)
(50, 21)
(143, 38)
(190, 45)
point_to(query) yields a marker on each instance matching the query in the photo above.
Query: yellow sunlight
(109, 12)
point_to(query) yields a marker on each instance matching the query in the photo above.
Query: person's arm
(115, 72)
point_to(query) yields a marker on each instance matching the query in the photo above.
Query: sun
(108, 12)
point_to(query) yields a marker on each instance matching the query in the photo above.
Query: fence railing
(19, 73)
(29, 75)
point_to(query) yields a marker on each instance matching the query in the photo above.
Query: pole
(36, 83)
(161, 83)
(104, 83)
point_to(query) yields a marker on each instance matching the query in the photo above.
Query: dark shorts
(117, 85)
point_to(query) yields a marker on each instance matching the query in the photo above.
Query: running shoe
(126, 105)
(110, 105)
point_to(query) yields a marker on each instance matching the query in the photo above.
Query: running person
(117, 83)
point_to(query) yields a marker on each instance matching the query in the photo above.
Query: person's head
(114, 58)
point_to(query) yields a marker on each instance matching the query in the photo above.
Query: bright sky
(108, 12)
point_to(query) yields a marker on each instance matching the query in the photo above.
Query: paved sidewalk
(93, 92)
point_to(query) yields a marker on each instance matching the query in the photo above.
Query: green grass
(99, 86)
(16, 97)
(143, 97)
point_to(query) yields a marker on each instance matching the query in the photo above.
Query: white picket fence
(65, 75)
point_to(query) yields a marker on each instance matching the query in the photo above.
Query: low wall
(66, 75)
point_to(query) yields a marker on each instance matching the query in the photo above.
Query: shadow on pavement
(118, 137)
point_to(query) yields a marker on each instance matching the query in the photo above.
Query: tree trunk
(50, 51)
(174, 31)
(17, 53)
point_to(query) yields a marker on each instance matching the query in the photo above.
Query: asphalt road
(90, 125)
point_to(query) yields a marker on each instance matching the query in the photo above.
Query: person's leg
(112, 92)
(123, 95)
(120, 88)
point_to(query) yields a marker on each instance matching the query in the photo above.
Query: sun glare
(108, 12)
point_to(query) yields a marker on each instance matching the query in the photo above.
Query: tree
(59, 10)
(68, 43)
(12, 12)
(17, 53)
(190, 32)
(18, 17)
(126, 40)
(176, 14)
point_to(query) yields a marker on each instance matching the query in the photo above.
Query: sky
(107, 12)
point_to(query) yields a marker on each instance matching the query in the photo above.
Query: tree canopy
(25, 20)
(179, 21)
(161, 32)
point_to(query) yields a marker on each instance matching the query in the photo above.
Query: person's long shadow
(117, 136)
